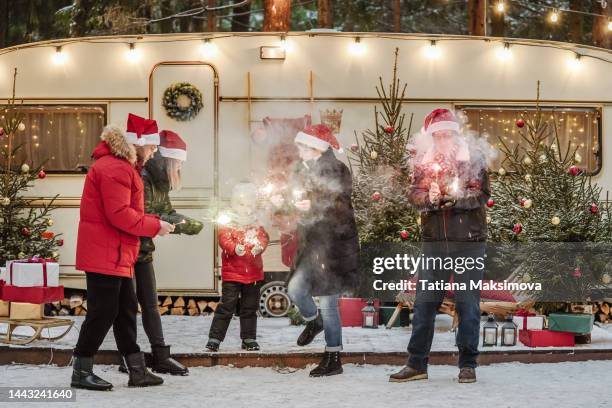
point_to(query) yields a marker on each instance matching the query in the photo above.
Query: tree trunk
(476, 17)
(4, 20)
(602, 37)
(397, 16)
(277, 14)
(325, 14)
(242, 17)
(211, 17)
(29, 32)
(575, 22)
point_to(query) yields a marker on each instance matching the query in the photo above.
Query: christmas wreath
(182, 101)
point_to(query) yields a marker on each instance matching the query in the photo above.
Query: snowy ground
(502, 385)
(188, 335)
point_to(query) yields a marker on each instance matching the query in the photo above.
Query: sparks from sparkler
(224, 219)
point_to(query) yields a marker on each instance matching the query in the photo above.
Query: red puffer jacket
(112, 211)
(246, 268)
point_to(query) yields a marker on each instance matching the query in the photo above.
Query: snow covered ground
(188, 335)
(503, 385)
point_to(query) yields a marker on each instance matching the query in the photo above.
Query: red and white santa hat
(319, 137)
(172, 146)
(439, 120)
(141, 131)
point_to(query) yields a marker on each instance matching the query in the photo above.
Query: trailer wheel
(274, 300)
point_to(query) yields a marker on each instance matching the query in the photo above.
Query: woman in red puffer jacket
(112, 220)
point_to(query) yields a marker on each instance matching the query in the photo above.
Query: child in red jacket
(242, 240)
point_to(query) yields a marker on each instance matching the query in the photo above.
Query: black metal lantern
(509, 332)
(489, 332)
(369, 316)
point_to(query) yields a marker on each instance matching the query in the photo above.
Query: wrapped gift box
(350, 310)
(546, 338)
(32, 272)
(580, 323)
(385, 313)
(38, 295)
(525, 320)
(26, 311)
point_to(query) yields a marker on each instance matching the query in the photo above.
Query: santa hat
(319, 137)
(440, 119)
(172, 146)
(141, 131)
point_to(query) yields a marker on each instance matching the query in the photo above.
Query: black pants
(249, 301)
(146, 290)
(111, 301)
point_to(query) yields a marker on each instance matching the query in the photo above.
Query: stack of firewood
(603, 311)
(192, 307)
(73, 306)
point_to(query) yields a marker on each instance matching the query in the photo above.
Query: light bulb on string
(284, 43)
(501, 6)
(357, 47)
(432, 51)
(59, 57)
(554, 16)
(610, 25)
(575, 63)
(133, 54)
(209, 49)
(504, 53)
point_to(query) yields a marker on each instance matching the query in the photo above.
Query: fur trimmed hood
(113, 140)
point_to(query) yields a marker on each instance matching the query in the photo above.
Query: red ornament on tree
(389, 129)
(47, 234)
(594, 208)
(25, 231)
(60, 242)
(42, 174)
(354, 147)
(490, 203)
(577, 272)
(404, 235)
(574, 170)
(518, 228)
(376, 196)
(520, 123)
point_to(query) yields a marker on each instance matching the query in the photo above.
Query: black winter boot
(408, 374)
(213, 345)
(250, 345)
(330, 365)
(83, 376)
(140, 376)
(311, 330)
(164, 364)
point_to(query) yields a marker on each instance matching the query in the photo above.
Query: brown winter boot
(408, 374)
(467, 375)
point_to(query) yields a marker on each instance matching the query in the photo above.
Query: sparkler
(297, 195)
(224, 219)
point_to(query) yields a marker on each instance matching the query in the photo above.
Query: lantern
(509, 332)
(489, 332)
(369, 316)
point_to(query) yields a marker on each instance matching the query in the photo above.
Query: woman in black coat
(327, 259)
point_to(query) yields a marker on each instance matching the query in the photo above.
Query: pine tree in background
(381, 174)
(24, 223)
(542, 200)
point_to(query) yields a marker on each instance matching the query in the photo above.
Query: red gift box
(350, 310)
(37, 294)
(546, 338)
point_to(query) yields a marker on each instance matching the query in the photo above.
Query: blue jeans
(299, 292)
(467, 305)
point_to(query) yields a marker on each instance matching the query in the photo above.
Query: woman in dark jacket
(327, 257)
(160, 175)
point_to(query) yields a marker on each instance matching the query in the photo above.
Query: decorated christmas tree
(381, 175)
(24, 222)
(550, 209)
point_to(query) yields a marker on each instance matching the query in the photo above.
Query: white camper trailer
(73, 87)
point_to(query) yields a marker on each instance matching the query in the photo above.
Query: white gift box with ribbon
(32, 274)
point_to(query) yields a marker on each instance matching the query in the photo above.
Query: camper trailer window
(579, 126)
(59, 137)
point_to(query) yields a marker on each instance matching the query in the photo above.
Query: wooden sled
(38, 325)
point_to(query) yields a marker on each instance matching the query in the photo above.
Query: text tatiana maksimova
(406, 285)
